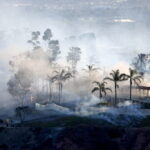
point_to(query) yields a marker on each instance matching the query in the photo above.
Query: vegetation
(90, 69)
(22, 111)
(134, 78)
(116, 77)
(39, 74)
(101, 88)
(73, 58)
(50, 81)
(61, 77)
(68, 121)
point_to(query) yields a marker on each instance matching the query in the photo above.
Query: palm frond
(123, 77)
(108, 89)
(108, 78)
(98, 83)
(135, 82)
(95, 89)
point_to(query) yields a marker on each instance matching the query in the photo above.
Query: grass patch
(146, 106)
(68, 121)
(102, 104)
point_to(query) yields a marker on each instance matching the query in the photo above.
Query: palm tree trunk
(50, 92)
(115, 103)
(100, 94)
(59, 92)
(130, 89)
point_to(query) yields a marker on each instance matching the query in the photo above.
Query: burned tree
(20, 84)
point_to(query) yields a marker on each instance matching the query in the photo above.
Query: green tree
(116, 77)
(100, 87)
(61, 77)
(90, 69)
(134, 78)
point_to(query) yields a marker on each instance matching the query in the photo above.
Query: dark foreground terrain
(75, 133)
(75, 138)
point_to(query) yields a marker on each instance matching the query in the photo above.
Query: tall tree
(134, 78)
(50, 81)
(100, 87)
(116, 77)
(90, 69)
(47, 35)
(19, 85)
(54, 50)
(73, 57)
(35, 40)
(61, 77)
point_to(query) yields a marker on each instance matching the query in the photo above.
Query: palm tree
(134, 78)
(90, 69)
(116, 77)
(60, 77)
(50, 81)
(101, 88)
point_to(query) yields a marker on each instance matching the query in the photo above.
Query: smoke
(126, 113)
(120, 33)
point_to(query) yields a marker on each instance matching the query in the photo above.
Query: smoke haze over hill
(120, 29)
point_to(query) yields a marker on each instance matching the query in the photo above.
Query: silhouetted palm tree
(60, 77)
(50, 81)
(90, 69)
(135, 78)
(116, 77)
(101, 88)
